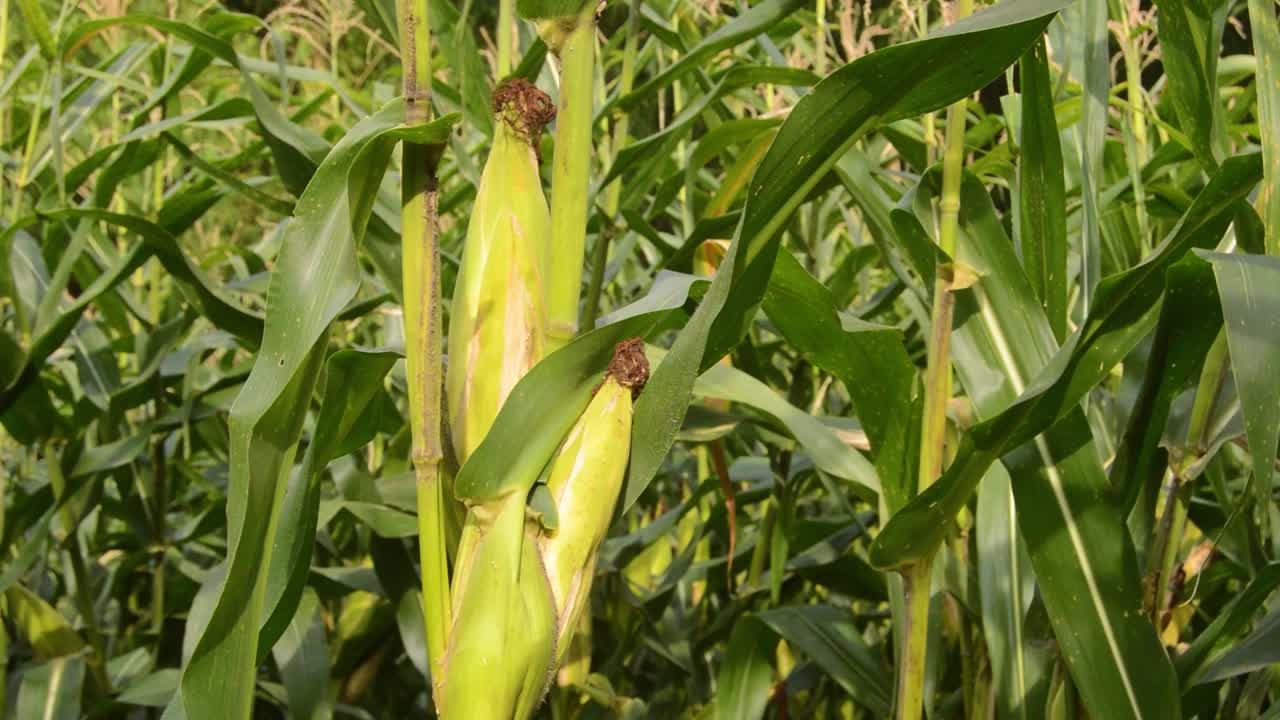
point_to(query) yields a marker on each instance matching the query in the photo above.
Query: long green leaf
(303, 657)
(1042, 191)
(316, 276)
(756, 20)
(1230, 622)
(52, 691)
(1127, 311)
(1190, 41)
(1095, 81)
(870, 361)
(1007, 583)
(1257, 651)
(1190, 319)
(297, 150)
(224, 311)
(829, 453)
(829, 636)
(897, 82)
(746, 675)
(353, 381)
(1081, 551)
(1249, 286)
(543, 407)
(1266, 49)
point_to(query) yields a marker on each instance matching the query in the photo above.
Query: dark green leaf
(1042, 191)
(1249, 286)
(897, 82)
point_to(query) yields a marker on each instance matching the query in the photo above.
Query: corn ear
(575, 665)
(498, 317)
(585, 480)
(499, 657)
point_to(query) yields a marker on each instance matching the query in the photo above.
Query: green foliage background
(204, 460)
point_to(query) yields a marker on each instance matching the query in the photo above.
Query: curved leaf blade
(897, 82)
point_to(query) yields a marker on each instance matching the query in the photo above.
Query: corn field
(578, 359)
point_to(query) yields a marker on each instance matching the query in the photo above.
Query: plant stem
(506, 23)
(937, 382)
(569, 178)
(613, 194)
(422, 320)
(820, 41)
(933, 424)
(33, 132)
(917, 589)
(952, 174)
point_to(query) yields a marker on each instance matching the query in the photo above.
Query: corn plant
(632, 358)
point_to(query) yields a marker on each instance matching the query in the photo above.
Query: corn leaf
(52, 691)
(1190, 318)
(1249, 286)
(316, 276)
(353, 383)
(1266, 48)
(1190, 37)
(1006, 584)
(1257, 651)
(1083, 557)
(1042, 191)
(303, 657)
(49, 633)
(1111, 330)
(746, 676)
(1231, 621)
(828, 635)
(893, 83)
(755, 20)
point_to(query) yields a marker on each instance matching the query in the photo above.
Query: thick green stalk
(952, 174)
(569, 177)
(506, 24)
(422, 320)
(916, 587)
(937, 381)
(933, 425)
(613, 194)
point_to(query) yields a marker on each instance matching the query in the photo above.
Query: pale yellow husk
(585, 481)
(498, 316)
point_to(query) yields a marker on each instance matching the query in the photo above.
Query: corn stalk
(422, 320)
(573, 40)
(937, 392)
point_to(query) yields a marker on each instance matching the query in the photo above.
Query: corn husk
(501, 646)
(498, 316)
(585, 481)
